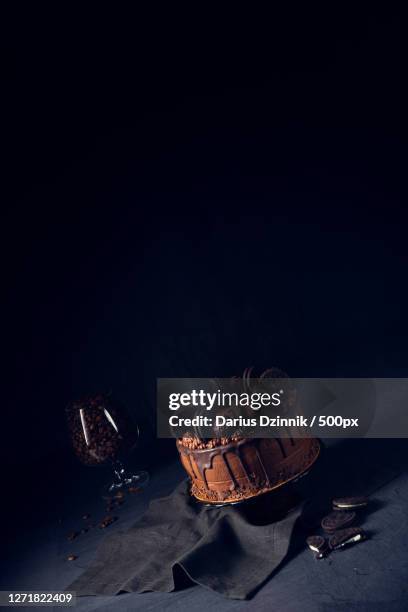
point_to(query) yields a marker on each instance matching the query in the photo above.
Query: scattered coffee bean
(337, 520)
(86, 516)
(349, 503)
(71, 536)
(318, 545)
(84, 530)
(346, 537)
(108, 520)
(72, 557)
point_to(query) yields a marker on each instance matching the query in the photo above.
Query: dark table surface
(369, 576)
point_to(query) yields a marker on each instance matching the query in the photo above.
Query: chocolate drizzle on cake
(204, 459)
(258, 456)
(245, 467)
(281, 446)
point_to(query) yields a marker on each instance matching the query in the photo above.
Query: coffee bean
(72, 557)
(108, 520)
(349, 503)
(71, 536)
(103, 442)
(337, 520)
(346, 537)
(86, 516)
(318, 545)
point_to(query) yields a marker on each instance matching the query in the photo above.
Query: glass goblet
(103, 433)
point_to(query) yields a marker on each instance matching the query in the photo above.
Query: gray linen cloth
(232, 550)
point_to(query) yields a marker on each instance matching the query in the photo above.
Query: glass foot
(127, 485)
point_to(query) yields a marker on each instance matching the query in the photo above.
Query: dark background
(191, 194)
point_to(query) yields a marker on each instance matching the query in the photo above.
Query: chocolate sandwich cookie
(346, 537)
(337, 520)
(350, 503)
(318, 545)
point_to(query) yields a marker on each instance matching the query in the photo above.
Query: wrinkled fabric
(231, 550)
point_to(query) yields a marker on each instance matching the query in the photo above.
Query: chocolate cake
(226, 470)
